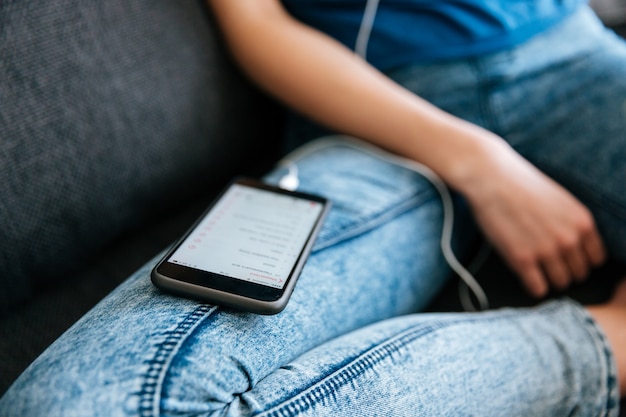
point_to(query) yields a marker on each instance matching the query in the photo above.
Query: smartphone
(247, 250)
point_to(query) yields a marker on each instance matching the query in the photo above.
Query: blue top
(417, 31)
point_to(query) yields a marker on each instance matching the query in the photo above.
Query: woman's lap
(549, 360)
(376, 257)
(140, 352)
(331, 351)
(560, 101)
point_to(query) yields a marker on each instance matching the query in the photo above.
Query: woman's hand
(544, 233)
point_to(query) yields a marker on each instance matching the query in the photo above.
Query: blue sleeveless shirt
(417, 31)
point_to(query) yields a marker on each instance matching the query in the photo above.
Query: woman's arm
(544, 233)
(324, 80)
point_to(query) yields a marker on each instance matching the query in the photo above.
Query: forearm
(326, 81)
(540, 228)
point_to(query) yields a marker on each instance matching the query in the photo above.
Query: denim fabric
(348, 342)
(559, 100)
(144, 353)
(110, 112)
(448, 365)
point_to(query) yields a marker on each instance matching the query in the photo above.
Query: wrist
(464, 155)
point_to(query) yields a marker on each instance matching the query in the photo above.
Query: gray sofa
(119, 121)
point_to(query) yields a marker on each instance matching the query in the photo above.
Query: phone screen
(251, 234)
(247, 249)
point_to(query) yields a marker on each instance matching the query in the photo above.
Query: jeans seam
(611, 405)
(347, 371)
(369, 222)
(485, 85)
(359, 365)
(158, 366)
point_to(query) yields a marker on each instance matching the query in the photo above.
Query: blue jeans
(351, 341)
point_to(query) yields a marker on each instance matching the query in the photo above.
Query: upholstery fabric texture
(110, 112)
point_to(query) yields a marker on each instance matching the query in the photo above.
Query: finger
(557, 272)
(534, 280)
(594, 248)
(577, 262)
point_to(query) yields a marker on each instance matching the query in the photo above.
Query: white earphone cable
(448, 208)
(365, 30)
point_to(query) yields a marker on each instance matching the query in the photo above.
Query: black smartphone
(247, 250)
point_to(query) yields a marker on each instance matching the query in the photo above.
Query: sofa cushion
(110, 112)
